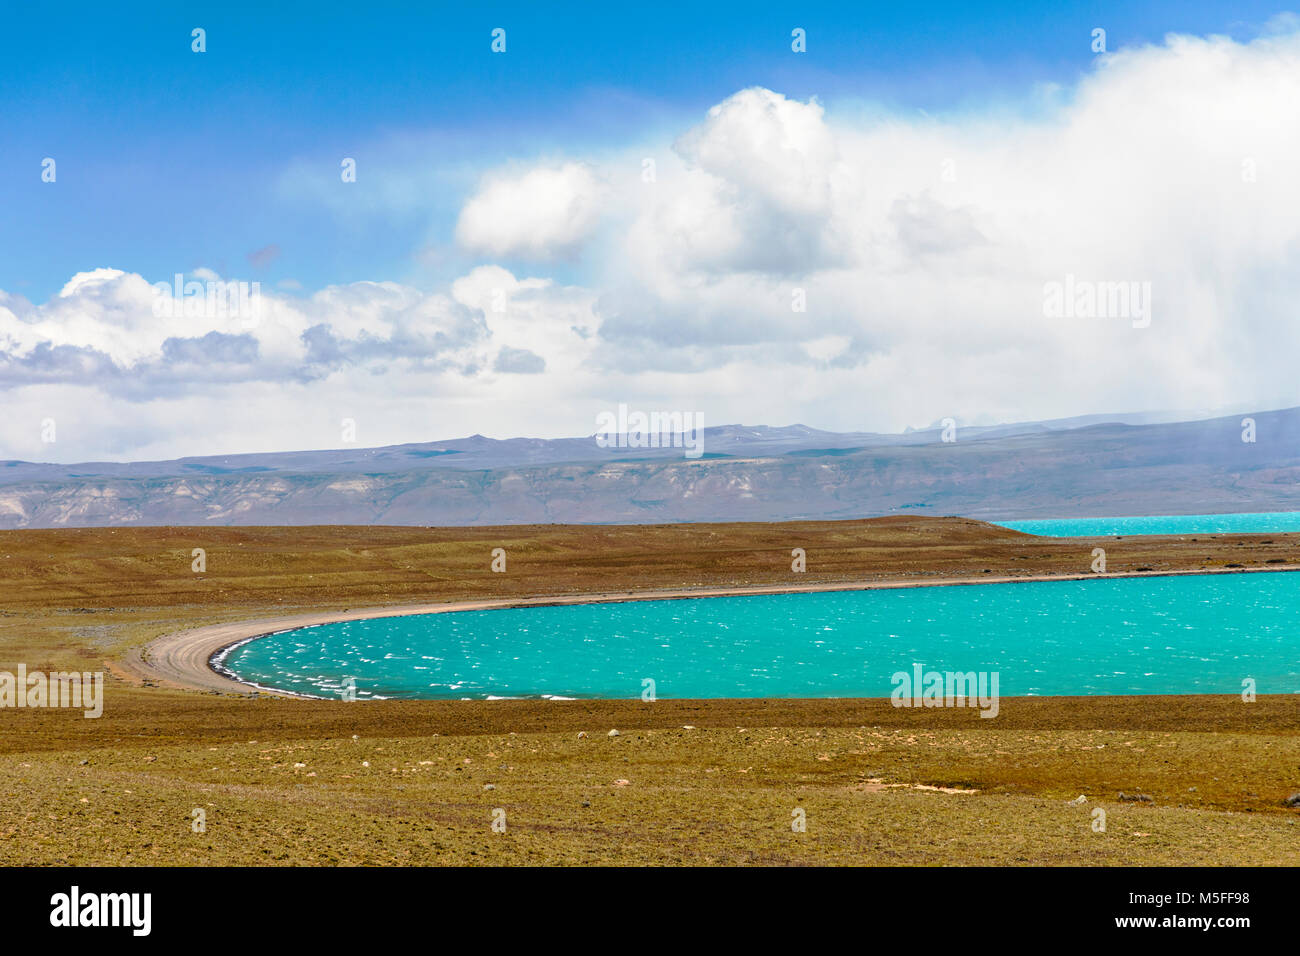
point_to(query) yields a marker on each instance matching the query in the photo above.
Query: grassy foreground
(286, 781)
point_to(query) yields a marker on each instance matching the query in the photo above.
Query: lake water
(1153, 635)
(1262, 522)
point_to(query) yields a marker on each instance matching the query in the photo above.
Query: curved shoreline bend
(185, 659)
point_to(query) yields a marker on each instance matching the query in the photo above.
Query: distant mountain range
(1095, 466)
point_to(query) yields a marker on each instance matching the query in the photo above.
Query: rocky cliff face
(754, 474)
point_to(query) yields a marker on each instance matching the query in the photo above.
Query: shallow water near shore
(1151, 635)
(1259, 522)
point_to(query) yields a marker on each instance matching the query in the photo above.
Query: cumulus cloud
(921, 246)
(768, 186)
(114, 332)
(543, 213)
(128, 371)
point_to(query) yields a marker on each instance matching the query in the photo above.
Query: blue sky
(170, 160)
(863, 236)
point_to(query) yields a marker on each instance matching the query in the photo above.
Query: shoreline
(191, 659)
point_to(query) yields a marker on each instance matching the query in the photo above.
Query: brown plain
(285, 781)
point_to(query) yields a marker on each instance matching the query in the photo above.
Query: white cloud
(124, 382)
(544, 213)
(87, 280)
(925, 245)
(766, 186)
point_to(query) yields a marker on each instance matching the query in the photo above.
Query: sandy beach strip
(186, 658)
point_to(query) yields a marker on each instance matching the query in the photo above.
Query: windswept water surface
(1151, 635)
(1259, 522)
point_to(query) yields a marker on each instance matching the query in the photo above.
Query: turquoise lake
(1154, 635)
(1262, 522)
